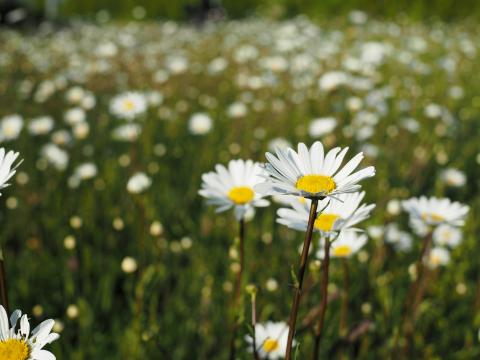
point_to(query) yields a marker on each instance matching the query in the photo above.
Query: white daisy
(21, 344)
(438, 256)
(454, 177)
(128, 105)
(138, 183)
(6, 169)
(446, 235)
(55, 156)
(41, 125)
(86, 171)
(333, 214)
(234, 187)
(310, 174)
(200, 124)
(345, 245)
(400, 240)
(270, 340)
(127, 132)
(10, 127)
(426, 213)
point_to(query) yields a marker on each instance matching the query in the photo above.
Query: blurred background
(119, 106)
(447, 10)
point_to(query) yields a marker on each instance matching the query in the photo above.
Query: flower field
(109, 225)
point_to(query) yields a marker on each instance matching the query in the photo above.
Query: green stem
(299, 281)
(238, 288)
(3, 284)
(324, 300)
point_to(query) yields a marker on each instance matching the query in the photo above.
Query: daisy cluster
(121, 123)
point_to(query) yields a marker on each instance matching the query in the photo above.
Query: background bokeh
(149, 275)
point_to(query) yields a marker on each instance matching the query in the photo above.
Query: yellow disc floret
(128, 105)
(325, 222)
(316, 184)
(241, 195)
(433, 217)
(14, 349)
(342, 251)
(270, 345)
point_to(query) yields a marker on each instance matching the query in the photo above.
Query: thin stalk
(324, 300)
(254, 323)
(238, 288)
(412, 301)
(299, 281)
(3, 283)
(343, 325)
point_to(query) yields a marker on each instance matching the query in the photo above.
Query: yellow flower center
(432, 217)
(435, 260)
(10, 130)
(315, 184)
(270, 345)
(325, 222)
(129, 105)
(342, 251)
(241, 195)
(13, 349)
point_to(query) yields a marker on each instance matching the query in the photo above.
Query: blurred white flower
(129, 265)
(446, 235)
(86, 171)
(74, 116)
(237, 110)
(40, 125)
(332, 80)
(454, 177)
(200, 124)
(10, 127)
(138, 183)
(322, 126)
(128, 105)
(55, 156)
(278, 143)
(437, 256)
(127, 132)
(74, 95)
(427, 213)
(400, 240)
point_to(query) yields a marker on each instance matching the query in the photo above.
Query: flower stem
(343, 325)
(299, 281)
(254, 323)
(238, 288)
(415, 294)
(324, 300)
(3, 284)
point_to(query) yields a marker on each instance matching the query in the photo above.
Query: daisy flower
(438, 256)
(138, 183)
(233, 186)
(345, 245)
(128, 105)
(446, 235)
(333, 215)
(21, 344)
(6, 169)
(310, 174)
(270, 339)
(426, 213)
